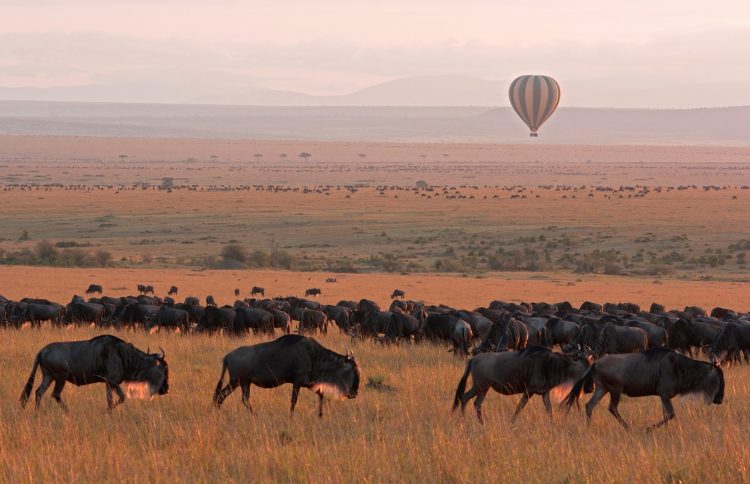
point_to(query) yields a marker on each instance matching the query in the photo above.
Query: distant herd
(519, 348)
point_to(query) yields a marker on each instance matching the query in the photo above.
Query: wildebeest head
(713, 386)
(340, 379)
(154, 373)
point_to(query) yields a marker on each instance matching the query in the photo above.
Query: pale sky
(694, 50)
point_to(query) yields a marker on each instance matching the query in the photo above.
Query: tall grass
(404, 435)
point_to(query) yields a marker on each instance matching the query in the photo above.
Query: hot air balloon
(534, 98)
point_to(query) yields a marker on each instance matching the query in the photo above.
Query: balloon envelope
(534, 98)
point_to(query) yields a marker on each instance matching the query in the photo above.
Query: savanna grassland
(406, 433)
(402, 433)
(643, 224)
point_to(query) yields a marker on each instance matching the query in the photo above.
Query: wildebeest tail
(219, 385)
(586, 380)
(461, 389)
(30, 383)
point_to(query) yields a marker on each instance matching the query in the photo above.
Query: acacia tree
(305, 155)
(282, 156)
(258, 156)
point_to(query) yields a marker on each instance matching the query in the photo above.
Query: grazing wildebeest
(447, 327)
(620, 339)
(330, 279)
(104, 359)
(257, 290)
(312, 292)
(80, 312)
(237, 292)
(533, 371)
(294, 359)
(36, 313)
(684, 335)
(397, 293)
(340, 315)
(210, 301)
(141, 289)
(94, 289)
(313, 320)
(169, 317)
(173, 291)
(215, 319)
(659, 371)
(733, 338)
(254, 319)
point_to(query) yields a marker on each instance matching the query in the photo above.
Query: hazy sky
(694, 48)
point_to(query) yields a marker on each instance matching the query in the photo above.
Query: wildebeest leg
(666, 404)
(524, 400)
(46, 381)
(598, 395)
(246, 396)
(547, 403)
(478, 405)
(468, 396)
(295, 395)
(109, 396)
(320, 405)
(614, 401)
(225, 392)
(120, 394)
(59, 385)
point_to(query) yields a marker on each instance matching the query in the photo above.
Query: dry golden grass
(405, 435)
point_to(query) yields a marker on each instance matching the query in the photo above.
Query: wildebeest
(94, 289)
(294, 359)
(237, 292)
(169, 317)
(257, 290)
(254, 319)
(397, 293)
(658, 371)
(192, 301)
(80, 312)
(312, 292)
(103, 359)
(733, 338)
(313, 320)
(215, 319)
(533, 371)
(35, 313)
(447, 327)
(620, 339)
(210, 301)
(173, 291)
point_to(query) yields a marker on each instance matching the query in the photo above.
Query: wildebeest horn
(163, 354)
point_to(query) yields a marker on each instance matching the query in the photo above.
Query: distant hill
(711, 126)
(444, 90)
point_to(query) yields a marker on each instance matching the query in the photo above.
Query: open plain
(548, 223)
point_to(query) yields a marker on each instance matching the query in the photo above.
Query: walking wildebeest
(94, 288)
(658, 371)
(398, 293)
(257, 290)
(294, 359)
(533, 371)
(312, 292)
(733, 338)
(104, 359)
(173, 291)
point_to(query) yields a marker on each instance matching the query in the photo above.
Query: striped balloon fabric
(534, 98)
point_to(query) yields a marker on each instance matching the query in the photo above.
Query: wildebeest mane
(135, 363)
(656, 354)
(325, 365)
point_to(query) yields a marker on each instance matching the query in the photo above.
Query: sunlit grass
(403, 435)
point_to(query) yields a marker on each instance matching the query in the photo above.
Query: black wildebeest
(258, 290)
(314, 291)
(94, 289)
(104, 359)
(533, 371)
(659, 371)
(398, 293)
(294, 359)
(173, 291)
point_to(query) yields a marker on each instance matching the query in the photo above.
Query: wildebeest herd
(519, 348)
